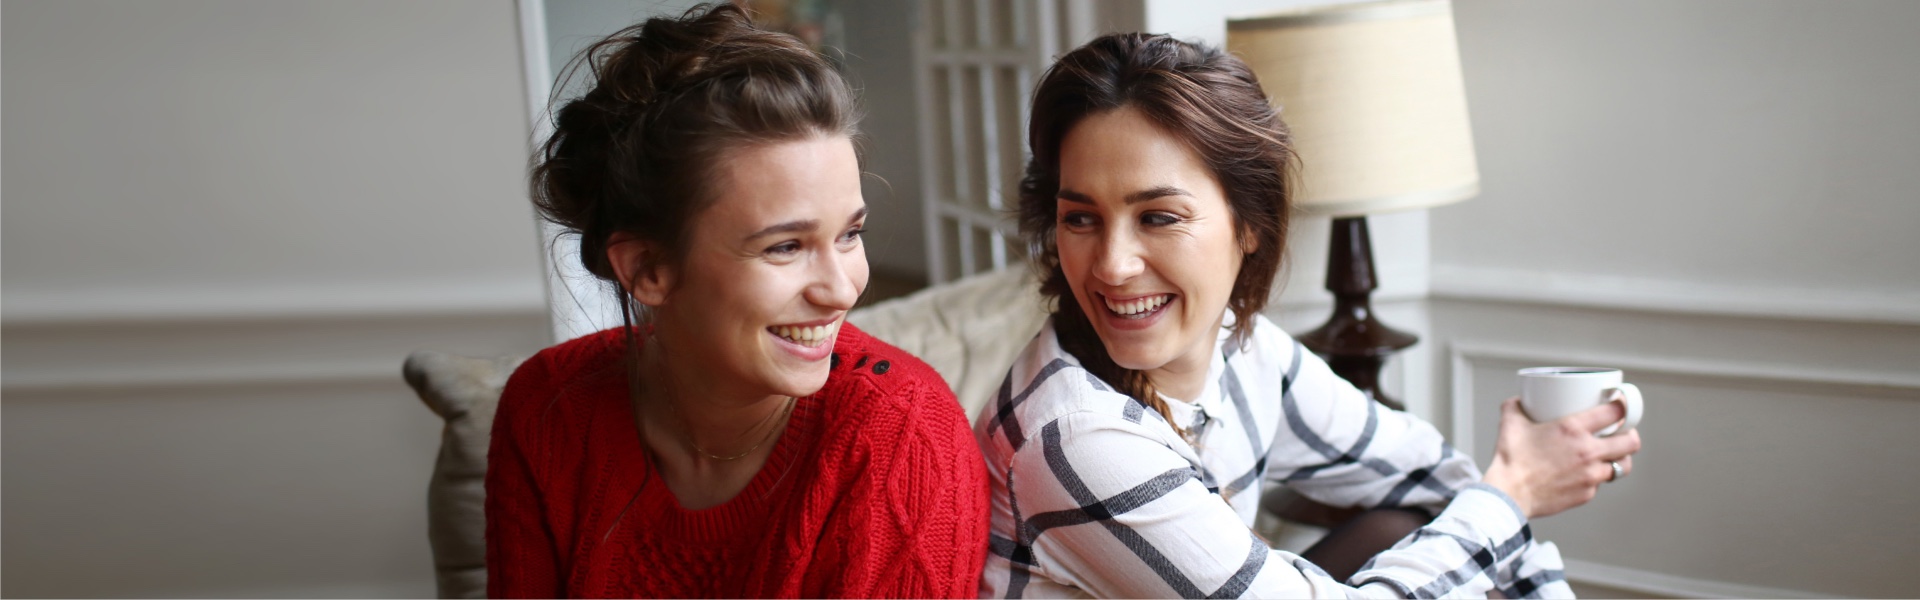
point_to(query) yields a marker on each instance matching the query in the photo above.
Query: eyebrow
(1158, 191)
(802, 225)
(787, 227)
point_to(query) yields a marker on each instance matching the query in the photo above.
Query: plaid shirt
(1096, 494)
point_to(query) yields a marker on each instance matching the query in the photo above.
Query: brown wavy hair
(1213, 103)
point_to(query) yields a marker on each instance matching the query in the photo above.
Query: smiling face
(770, 269)
(1147, 244)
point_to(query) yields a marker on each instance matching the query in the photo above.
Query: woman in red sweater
(737, 438)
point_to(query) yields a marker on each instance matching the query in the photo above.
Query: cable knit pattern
(876, 489)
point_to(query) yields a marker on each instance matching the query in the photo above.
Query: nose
(839, 279)
(1119, 257)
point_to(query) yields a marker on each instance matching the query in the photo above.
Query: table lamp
(1378, 111)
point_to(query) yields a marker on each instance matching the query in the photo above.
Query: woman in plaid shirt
(1127, 445)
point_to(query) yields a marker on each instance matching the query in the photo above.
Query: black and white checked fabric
(1095, 494)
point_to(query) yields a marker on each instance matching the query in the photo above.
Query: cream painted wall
(1764, 147)
(312, 155)
(1719, 197)
(226, 224)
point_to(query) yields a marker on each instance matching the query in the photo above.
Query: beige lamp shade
(1374, 97)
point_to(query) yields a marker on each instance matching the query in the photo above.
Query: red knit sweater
(876, 489)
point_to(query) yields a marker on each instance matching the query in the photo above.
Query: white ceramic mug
(1549, 393)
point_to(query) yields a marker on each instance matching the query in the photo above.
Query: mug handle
(1629, 395)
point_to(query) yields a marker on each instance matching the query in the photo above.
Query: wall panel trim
(1462, 353)
(227, 304)
(150, 380)
(1660, 295)
(203, 348)
(1673, 586)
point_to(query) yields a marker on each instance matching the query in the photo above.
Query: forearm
(1398, 461)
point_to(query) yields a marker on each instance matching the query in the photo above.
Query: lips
(811, 335)
(1136, 308)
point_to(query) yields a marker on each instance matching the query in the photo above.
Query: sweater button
(834, 363)
(880, 368)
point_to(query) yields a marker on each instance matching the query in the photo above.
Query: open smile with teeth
(1138, 308)
(811, 336)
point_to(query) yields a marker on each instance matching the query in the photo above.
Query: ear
(642, 267)
(1249, 241)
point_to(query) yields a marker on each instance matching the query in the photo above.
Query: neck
(1179, 381)
(1185, 376)
(716, 418)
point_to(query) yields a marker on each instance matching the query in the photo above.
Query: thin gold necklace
(743, 454)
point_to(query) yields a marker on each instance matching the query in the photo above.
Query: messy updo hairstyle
(641, 151)
(1200, 95)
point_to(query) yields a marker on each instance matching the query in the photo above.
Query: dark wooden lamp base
(1353, 342)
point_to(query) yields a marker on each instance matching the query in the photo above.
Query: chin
(1136, 360)
(804, 384)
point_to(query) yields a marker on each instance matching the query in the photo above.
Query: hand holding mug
(1577, 433)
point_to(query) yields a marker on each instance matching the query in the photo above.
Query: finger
(1606, 469)
(1618, 446)
(1602, 472)
(1511, 409)
(1598, 417)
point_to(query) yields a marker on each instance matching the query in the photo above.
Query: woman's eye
(1158, 219)
(784, 248)
(853, 235)
(1076, 220)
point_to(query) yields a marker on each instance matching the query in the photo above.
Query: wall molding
(1320, 300)
(254, 338)
(349, 589)
(206, 377)
(229, 304)
(1461, 354)
(1662, 584)
(1669, 296)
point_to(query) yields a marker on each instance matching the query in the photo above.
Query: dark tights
(1351, 544)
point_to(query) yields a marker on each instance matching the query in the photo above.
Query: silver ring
(1616, 471)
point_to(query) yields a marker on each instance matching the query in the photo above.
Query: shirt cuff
(1490, 512)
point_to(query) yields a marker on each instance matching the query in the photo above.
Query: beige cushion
(464, 391)
(969, 330)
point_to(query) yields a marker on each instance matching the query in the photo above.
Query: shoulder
(874, 382)
(1269, 363)
(1278, 368)
(1045, 385)
(1268, 346)
(864, 358)
(556, 377)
